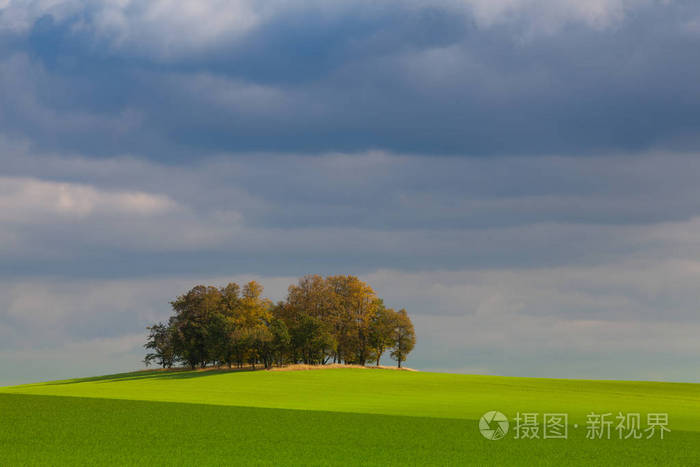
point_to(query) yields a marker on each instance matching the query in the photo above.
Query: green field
(334, 416)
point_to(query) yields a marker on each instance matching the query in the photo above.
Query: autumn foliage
(336, 319)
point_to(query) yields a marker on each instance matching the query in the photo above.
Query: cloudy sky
(521, 175)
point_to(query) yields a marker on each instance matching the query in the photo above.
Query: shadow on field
(184, 373)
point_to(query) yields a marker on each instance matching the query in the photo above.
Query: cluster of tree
(335, 319)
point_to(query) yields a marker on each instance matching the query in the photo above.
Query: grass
(336, 416)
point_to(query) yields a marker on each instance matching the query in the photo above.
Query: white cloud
(535, 210)
(70, 359)
(633, 319)
(162, 28)
(175, 28)
(18, 16)
(36, 214)
(638, 290)
(546, 16)
(93, 349)
(169, 29)
(34, 201)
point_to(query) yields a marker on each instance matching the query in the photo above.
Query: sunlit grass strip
(391, 393)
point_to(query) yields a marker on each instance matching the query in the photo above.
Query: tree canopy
(335, 319)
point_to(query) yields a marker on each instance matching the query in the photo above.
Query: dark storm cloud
(405, 78)
(291, 214)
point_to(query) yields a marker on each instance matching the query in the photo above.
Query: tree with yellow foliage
(337, 317)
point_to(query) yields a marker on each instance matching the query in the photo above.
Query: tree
(253, 308)
(311, 340)
(230, 308)
(337, 317)
(403, 337)
(381, 329)
(241, 345)
(160, 340)
(230, 299)
(354, 304)
(313, 296)
(280, 340)
(195, 319)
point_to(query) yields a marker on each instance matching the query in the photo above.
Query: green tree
(403, 337)
(194, 322)
(230, 299)
(280, 340)
(311, 340)
(263, 345)
(160, 341)
(381, 329)
(241, 344)
(230, 309)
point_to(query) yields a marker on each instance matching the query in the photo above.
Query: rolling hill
(334, 416)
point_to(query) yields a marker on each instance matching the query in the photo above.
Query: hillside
(329, 416)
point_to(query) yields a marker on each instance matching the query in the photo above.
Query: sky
(521, 175)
